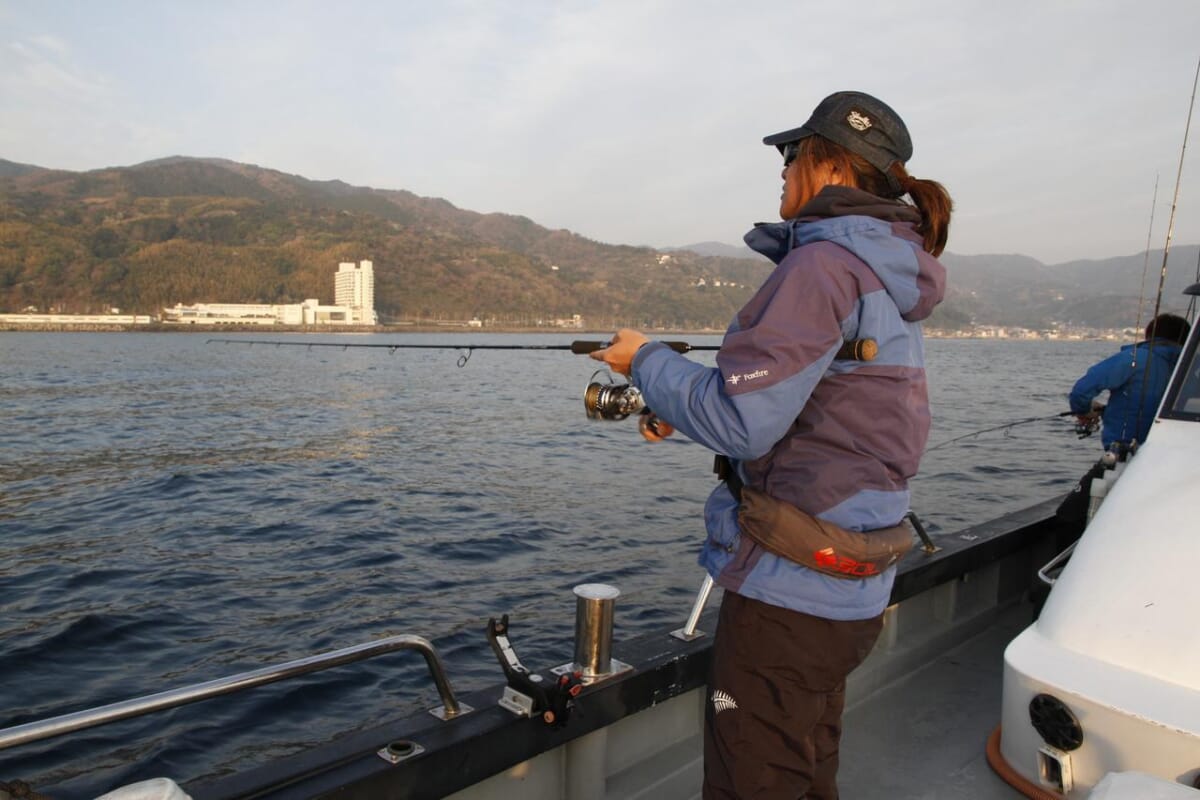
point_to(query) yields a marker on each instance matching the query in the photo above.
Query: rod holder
(926, 543)
(688, 632)
(594, 628)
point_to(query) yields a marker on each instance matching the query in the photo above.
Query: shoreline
(414, 327)
(459, 328)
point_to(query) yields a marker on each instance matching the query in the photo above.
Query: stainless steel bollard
(594, 628)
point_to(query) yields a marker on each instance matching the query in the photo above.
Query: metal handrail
(102, 715)
(1058, 562)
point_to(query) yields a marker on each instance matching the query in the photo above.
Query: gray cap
(860, 123)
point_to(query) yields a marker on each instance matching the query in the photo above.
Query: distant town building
(354, 288)
(574, 321)
(354, 298)
(35, 319)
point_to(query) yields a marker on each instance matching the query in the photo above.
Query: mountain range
(190, 230)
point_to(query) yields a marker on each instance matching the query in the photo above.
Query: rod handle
(853, 350)
(582, 347)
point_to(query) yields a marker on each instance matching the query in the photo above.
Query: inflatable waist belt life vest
(781, 528)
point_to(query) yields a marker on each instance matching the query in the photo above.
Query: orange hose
(1011, 776)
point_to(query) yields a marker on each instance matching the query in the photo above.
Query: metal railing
(1049, 573)
(102, 715)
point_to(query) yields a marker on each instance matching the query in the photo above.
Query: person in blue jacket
(827, 441)
(1135, 379)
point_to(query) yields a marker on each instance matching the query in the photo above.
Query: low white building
(310, 312)
(75, 319)
(354, 292)
(216, 313)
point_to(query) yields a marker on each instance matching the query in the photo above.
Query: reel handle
(853, 350)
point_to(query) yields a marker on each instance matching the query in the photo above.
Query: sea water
(174, 510)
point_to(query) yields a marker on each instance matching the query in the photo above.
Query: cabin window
(1183, 397)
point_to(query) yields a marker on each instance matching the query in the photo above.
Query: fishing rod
(1178, 182)
(1162, 275)
(602, 399)
(1146, 260)
(854, 349)
(579, 348)
(1082, 429)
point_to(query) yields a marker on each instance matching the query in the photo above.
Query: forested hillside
(192, 230)
(184, 230)
(1112, 293)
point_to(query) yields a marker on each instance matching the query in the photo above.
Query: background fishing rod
(1082, 429)
(854, 349)
(1162, 275)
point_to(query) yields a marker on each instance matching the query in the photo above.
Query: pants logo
(723, 701)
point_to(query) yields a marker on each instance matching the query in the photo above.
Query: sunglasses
(790, 151)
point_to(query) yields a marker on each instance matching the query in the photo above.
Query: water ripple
(180, 512)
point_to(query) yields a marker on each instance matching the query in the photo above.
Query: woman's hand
(621, 350)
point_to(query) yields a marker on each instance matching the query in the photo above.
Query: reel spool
(611, 400)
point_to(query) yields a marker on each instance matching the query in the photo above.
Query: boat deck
(924, 735)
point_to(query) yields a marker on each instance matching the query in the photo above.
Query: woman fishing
(814, 449)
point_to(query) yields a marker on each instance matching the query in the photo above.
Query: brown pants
(775, 697)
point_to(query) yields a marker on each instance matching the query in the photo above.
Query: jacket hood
(882, 233)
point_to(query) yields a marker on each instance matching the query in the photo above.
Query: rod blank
(853, 350)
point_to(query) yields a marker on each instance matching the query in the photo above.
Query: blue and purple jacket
(838, 439)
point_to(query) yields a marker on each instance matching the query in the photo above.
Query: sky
(1051, 122)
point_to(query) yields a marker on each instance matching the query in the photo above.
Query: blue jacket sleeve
(793, 338)
(690, 397)
(1109, 374)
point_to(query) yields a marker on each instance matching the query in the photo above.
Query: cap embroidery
(860, 122)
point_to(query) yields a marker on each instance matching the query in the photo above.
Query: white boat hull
(1117, 642)
(1129, 722)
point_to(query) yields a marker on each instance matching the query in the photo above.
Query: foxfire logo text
(748, 376)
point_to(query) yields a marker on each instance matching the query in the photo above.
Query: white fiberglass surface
(1187, 401)
(1129, 595)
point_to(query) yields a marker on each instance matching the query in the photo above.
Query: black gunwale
(490, 739)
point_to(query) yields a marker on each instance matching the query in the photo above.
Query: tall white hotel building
(354, 288)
